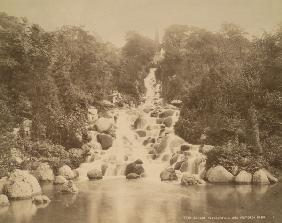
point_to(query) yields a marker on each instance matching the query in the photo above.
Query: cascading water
(128, 146)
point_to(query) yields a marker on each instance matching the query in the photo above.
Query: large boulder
(191, 179)
(94, 174)
(140, 123)
(132, 176)
(4, 201)
(170, 143)
(166, 113)
(66, 172)
(135, 167)
(44, 172)
(260, 177)
(243, 177)
(168, 122)
(103, 125)
(105, 140)
(60, 180)
(69, 187)
(22, 185)
(168, 175)
(219, 174)
(270, 177)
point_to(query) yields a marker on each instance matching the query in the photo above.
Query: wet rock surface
(22, 185)
(95, 174)
(66, 172)
(219, 174)
(168, 175)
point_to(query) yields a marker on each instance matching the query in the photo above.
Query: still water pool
(141, 201)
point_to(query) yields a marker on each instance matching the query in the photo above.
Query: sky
(111, 19)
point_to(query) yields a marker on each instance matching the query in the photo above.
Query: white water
(128, 146)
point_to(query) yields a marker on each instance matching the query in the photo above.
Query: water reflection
(122, 201)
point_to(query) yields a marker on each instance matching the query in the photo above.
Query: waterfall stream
(128, 146)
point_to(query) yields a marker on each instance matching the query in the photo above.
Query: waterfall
(128, 146)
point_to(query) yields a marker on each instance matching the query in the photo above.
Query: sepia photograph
(140, 111)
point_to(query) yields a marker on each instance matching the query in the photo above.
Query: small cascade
(129, 146)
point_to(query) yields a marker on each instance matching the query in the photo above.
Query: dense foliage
(231, 86)
(137, 55)
(49, 79)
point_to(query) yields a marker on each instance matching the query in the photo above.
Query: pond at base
(119, 200)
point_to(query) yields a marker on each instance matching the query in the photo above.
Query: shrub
(232, 155)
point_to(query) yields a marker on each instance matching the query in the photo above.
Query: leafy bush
(232, 155)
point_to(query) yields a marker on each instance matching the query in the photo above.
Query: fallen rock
(141, 133)
(166, 113)
(219, 174)
(168, 122)
(95, 174)
(134, 168)
(105, 140)
(103, 125)
(260, 177)
(168, 175)
(185, 147)
(40, 199)
(69, 187)
(60, 180)
(66, 172)
(4, 201)
(132, 176)
(44, 172)
(191, 179)
(243, 177)
(22, 185)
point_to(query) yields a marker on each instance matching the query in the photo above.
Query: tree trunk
(254, 129)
